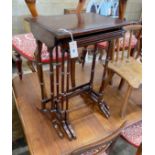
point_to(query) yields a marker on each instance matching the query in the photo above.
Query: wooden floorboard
(89, 124)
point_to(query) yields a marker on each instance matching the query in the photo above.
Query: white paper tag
(73, 49)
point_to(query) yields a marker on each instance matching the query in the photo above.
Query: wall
(53, 7)
(134, 9)
(45, 7)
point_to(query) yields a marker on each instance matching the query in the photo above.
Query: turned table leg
(72, 72)
(93, 66)
(67, 126)
(59, 99)
(83, 56)
(102, 104)
(40, 75)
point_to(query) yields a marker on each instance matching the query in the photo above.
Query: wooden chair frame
(116, 61)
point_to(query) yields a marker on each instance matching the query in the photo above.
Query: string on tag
(67, 31)
(72, 45)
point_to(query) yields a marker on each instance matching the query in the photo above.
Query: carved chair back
(101, 146)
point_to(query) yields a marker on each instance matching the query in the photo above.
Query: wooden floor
(89, 124)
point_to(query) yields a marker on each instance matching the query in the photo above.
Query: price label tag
(73, 49)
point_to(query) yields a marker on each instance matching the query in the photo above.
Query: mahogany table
(89, 124)
(87, 28)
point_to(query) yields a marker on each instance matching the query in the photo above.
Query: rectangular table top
(77, 24)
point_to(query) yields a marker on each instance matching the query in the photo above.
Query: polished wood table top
(47, 28)
(78, 24)
(88, 122)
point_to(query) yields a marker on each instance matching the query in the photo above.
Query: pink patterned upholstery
(104, 44)
(25, 45)
(133, 134)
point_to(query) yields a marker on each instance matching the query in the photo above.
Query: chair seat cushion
(133, 134)
(104, 44)
(25, 44)
(129, 69)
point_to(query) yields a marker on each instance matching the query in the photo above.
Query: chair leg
(109, 80)
(139, 151)
(132, 52)
(41, 75)
(121, 84)
(124, 106)
(73, 61)
(31, 66)
(19, 65)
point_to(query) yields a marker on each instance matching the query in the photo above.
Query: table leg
(40, 75)
(60, 103)
(54, 107)
(73, 62)
(57, 78)
(62, 77)
(69, 127)
(102, 104)
(51, 79)
(93, 66)
(83, 56)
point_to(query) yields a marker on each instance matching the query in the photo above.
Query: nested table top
(78, 24)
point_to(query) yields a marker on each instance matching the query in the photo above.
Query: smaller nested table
(87, 29)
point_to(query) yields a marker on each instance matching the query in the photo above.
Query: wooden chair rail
(132, 27)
